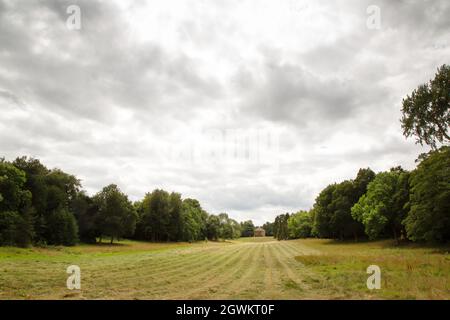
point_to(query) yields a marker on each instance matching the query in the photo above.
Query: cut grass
(251, 268)
(407, 271)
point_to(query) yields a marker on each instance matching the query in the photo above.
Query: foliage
(116, 216)
(429, 216)
(247, 228)
(228, 228)
(268, 227)
(280, 227)
(213, 227)
(53, 192)
(300, 225)
(382, 209)
(64, 228)
(16, 224)
(193, 221)
(332, 208)
(426, 112)
(84, 210)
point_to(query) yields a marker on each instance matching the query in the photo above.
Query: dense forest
(41, 206)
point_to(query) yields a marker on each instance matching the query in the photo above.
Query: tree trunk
(112, 239)
(395, 235)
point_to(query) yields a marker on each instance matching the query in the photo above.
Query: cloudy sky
(252, 107)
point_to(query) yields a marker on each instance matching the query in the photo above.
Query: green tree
(156, 217)
(384, 206)
(53, 192)
(322, 224)
(280, 227)
(247, 228)
(228, 228)
(64, 227)
(116, 216)
(300, 225)
(175, 225)
(12, 181)
(344, 226)
(16, 218)
(36, 174)
(332, 208)
(429, 215)
(193, 221)
(236, 229)
(213, 227)
(268, 227)
(426, 112)
(84, 211)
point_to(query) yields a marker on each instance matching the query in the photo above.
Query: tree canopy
(426, 111)
(384, 206)
(300, 225)
(116, 216)
(429, 215)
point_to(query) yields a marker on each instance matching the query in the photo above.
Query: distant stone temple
(260, 232)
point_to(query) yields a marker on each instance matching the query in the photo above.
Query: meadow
(247, 268)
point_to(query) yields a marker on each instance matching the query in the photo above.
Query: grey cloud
(109, 107)
(91, 72)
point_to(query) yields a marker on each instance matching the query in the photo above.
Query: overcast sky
(252, 107)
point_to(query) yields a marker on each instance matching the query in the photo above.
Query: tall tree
(52, 194)
(300, 225)
(84, 209)
(332, 209)
(116, 215)
(281, 231)
(16, 224)
(429, 215)
(193, 221)
(228, 228)
(322, 224)
(268, 227)
(63, 226)
(384, 206)
(156, 215)
(213, 227)
(247, 228)
(426, 112)
(175, 225)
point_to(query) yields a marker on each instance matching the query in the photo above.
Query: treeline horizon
(41, 206)
(397, 204)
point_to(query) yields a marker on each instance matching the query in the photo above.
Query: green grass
(407, 271)
(252, 268)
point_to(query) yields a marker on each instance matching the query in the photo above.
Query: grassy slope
(249, 268)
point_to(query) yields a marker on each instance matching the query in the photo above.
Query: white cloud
(147, 91)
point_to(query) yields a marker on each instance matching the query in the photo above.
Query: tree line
(39, 206)
(48, 206)
(397, 203)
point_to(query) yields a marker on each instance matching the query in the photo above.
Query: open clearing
(252, 268)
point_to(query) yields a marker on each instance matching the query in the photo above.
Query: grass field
(253, 268)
